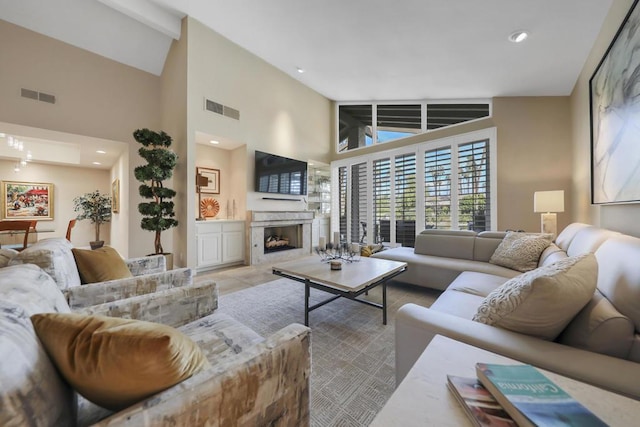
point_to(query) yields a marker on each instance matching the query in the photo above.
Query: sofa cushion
(479, 284)
(33, 392)
(542, 302)
(552, 254)
(100, 265)
(600, 328)
(588, 239)
(55, 258)
(619, 275)
(486, 244)
(520, 251)
(446, 243)
(117, 362)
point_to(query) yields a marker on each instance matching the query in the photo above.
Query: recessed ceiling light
(101, 152)
(97, 163)
(518, 36)
(300, 70)
(213, 141)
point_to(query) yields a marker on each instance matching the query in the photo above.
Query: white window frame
(419, 149)
(423, 111)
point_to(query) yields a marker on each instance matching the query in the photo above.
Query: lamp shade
(548, 201)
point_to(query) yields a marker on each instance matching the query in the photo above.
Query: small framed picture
(115, 196)
(27, 200)
(213, 180)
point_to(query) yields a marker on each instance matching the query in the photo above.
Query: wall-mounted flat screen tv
(280, 175)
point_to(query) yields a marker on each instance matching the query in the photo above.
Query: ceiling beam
(149, 14)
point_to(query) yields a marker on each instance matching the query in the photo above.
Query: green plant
(158, 213)
(94, 206)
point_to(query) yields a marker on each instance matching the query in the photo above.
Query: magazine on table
(479, 405)
(532, 399)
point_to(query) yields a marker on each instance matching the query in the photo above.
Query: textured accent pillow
(117, 362)
(6, 254)
(520, 251)
(542, 302)
(100, 265)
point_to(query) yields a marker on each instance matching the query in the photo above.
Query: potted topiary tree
(158, 213)
(96, 207)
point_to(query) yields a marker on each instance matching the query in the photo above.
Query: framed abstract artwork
(213, 180)
(27, 200)
(614, 91)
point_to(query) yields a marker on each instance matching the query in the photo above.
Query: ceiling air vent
(38, 96)
(223, 110)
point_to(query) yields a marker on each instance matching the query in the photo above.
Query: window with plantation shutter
(437, 188)
(359, 202)
(443, 184)
(381, 200)
(405, 192)
(473, 189)
(342, 190)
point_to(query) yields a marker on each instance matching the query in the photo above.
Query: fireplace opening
(278, 239)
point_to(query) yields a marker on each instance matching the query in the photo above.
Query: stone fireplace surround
(259, 220)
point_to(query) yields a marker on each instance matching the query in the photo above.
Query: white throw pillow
(6, 255)
(520, 251)
(542, 302)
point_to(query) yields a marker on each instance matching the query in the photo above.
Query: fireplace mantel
(261, 219)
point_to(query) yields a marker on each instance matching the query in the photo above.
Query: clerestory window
(366, 124)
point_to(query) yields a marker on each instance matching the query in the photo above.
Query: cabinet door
(232, 246)
(209, 249)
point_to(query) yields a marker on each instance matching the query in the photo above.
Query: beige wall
(120, 219)
(95, 97)
(278, 114)
(534, 154)
(68, 182)
(622, 218)
(174, 122)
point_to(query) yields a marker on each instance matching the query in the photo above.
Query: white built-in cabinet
(219, 243)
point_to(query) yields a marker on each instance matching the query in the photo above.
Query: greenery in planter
(158, 213)
(94, 206)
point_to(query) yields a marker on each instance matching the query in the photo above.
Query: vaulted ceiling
(351, 50)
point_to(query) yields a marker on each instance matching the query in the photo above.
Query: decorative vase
(96, 245)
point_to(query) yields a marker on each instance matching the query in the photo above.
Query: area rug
(352, 352)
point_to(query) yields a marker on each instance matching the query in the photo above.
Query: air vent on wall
(223, 110)
(38, 96)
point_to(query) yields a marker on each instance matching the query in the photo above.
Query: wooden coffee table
(354, 279)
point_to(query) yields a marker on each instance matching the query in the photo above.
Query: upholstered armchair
(252, 380)
(148, 275)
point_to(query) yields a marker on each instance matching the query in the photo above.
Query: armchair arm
(416, 326)
(267, 384)
(113, 290)
(147, 264)
(173, 307)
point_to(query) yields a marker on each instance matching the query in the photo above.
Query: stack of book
(517, 395)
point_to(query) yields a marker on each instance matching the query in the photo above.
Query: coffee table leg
(384, 302)
(306, 302)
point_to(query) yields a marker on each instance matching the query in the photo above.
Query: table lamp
(548, 203)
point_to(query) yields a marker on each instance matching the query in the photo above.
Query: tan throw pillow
(100, 265)
(520, 251)
(542, 302)
(117, 362)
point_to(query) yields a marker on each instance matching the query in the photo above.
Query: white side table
(423, 399)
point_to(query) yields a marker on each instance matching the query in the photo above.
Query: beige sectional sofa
(600, 345)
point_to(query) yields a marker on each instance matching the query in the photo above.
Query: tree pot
(96, 245)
